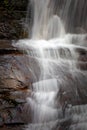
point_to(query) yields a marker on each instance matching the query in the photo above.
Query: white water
(57, 56)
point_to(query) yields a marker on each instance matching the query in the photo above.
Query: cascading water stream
(57, 57)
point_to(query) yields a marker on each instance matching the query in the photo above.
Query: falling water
(61, 83)
(44, 21)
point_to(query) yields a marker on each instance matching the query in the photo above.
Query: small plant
(6, 3)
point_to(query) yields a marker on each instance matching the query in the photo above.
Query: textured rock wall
(12, 17)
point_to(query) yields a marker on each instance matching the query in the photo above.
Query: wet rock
(11, 75)
(16, 81)
(11, 127)
(1, 121)
(63, 124)
(82, 66)
(80, 30)
(20, 94)
(11, 115)
(11, 30)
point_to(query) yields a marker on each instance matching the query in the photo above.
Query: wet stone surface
(15, 83)
(16, 79)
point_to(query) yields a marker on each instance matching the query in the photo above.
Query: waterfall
(43, 15)
(61, 83)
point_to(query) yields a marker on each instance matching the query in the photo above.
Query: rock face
(12, 18)
(16, 79)
(15, 83)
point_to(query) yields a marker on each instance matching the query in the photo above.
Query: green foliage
(6, 2)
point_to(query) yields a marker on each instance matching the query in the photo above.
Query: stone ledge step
(7, 48)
